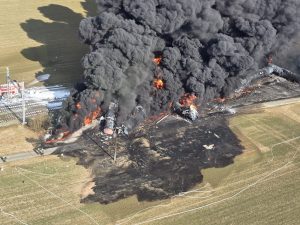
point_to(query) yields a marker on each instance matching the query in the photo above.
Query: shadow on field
(60, 51)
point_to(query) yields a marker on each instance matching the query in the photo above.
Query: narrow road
(26, 155)
(33, 154)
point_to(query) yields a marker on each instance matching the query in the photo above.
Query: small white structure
(43, 77)
(209, 147)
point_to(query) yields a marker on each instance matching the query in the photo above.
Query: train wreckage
(166, 120)
(185, 107)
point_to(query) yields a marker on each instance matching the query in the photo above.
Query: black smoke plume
(207, 48)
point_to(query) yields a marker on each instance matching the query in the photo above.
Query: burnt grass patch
(157, 161)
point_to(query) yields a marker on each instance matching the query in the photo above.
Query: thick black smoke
(207, 47)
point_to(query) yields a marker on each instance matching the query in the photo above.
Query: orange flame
(92, 116)
(87, 120)
(219, 100)
(78, 106)
(270, 59)
(96, 113)
(158, 83)
(187, 100)
(157, 60)
(64, 136)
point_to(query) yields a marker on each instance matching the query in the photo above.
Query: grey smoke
(208, 47)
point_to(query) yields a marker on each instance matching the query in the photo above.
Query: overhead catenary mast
(10, 85)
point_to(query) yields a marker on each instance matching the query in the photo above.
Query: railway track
(13, 113)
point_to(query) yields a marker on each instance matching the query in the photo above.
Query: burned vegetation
(154, 58)
(164, 155)
(157, 160)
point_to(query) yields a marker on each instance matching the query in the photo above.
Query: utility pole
(23, 105)
(115, 155)
(115, 145)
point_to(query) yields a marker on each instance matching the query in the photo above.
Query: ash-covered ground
(267, 89)
(163, 158)
(157, 160)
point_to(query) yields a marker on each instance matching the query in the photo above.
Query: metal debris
(165, 117)
(209, 147)
(217, 136)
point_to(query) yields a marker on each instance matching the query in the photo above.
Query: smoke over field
(204, 47)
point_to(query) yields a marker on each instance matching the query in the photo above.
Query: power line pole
(115, 155)
(115, 146)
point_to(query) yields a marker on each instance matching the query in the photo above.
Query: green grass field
(261, 187)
